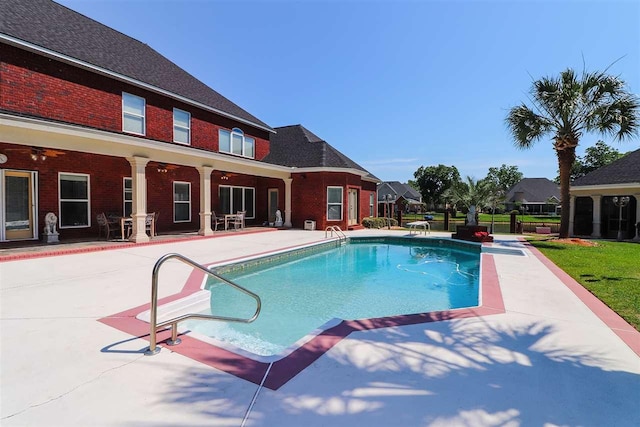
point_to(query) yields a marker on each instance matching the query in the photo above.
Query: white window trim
(372, 205)
(143, 115)
(124, 193)
(88, 200)
(181, 201)
(244, 203)
(188, 128)
(336, 204)
(239, 132)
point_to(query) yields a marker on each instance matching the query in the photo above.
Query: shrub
(371, 222)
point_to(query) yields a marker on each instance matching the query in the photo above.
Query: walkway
(548, 360)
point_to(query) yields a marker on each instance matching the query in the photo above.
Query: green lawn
(610, 270)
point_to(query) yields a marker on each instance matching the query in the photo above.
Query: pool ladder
(153, 320)
(335, 229)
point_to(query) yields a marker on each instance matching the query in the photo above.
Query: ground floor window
(74, 200)
(233, 199)
(181, 201)
(334, 203)
(127, 197)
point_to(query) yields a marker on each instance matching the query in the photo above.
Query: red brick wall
(42, 87)
(106, 175)
(310, 197)
(160, 197)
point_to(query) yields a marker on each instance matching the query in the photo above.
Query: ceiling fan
(226, 175)
(37, 153)
(164, 167)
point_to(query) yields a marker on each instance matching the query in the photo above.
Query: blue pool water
(301, 293)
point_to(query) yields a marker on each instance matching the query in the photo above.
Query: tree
(470, 193)
(504, 177)
(594, 158)
(433, 181)
(566, 106)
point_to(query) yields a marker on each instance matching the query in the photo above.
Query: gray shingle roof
(296, 146)
(534, 190)
(622, 171)
(398, 189)
(55, 27)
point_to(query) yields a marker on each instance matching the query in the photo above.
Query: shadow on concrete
(439, 374)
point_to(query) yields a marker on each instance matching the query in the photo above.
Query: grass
(609, 270)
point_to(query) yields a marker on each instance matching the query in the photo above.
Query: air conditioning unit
(309, 225)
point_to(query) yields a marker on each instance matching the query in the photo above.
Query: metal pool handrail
(153, 320)
(337, 230)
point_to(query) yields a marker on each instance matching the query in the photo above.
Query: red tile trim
(285, 369)
(617, 324)
(71, 251)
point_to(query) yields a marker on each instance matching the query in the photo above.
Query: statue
(278, 222)
(50, 233)
(471, 216)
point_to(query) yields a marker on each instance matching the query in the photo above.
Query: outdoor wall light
(162, 168)
(621, 202)
(224, 176)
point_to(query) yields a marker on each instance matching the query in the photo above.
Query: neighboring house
(535, 195)
(402, 195)
(593, 211)
(94, 121)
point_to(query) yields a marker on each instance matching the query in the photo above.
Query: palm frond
(526, 126)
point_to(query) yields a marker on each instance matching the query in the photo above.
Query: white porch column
(205, 200)
(287, 201)
(139, 189)
(596, 215)
(572, 213)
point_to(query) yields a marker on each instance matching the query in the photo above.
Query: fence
(498, 227)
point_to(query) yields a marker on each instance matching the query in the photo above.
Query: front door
(273, 204)
(353, 206)
(19, 205)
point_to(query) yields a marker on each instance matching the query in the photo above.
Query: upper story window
(181, 126)
(235, 142)
(133, 114)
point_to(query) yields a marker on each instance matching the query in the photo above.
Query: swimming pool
(310, 290)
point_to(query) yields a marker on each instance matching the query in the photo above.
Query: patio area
(553, 357)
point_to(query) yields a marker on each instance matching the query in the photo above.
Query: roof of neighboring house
(296, 146)
(533, 190)
(624, 170)
(398, 189)
(56, 28)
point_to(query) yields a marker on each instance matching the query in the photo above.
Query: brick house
(402, 195)
(93, 121)
(593, 209)
(535, 195)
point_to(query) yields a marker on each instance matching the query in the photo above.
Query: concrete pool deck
(549, 359)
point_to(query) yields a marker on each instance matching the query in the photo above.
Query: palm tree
(469, 193)
(568, 105)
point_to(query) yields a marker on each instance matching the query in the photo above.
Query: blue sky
(394, 85)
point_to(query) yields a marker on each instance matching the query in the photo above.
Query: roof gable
(622, 171)
(533, 190)
(57, 28)
(296, 146)
(399, 189)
